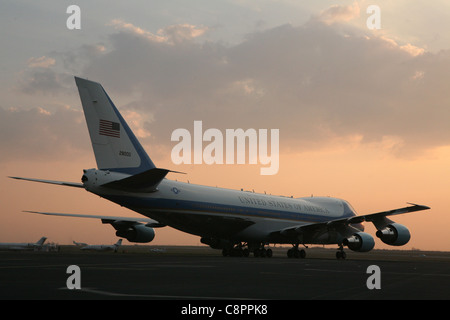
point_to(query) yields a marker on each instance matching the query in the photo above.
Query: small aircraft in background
(23, 246)
(80, 244)
(94, 247)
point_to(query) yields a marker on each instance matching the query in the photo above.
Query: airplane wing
(61, 183)
(379, 215)
(315, 228)
(106, 219)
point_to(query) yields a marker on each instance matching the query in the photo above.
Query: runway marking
(330, 270)
(406, 273)
(116, 294)
(182, 266)
(287, 274)
(33, 266)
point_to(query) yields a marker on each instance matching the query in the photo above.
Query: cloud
(41, 62)
(339, 13)
(54, 75)
(122, 25)
(137, 123)
(182, 32)
(171, 34)
(319, 85)
(409, 48)
(42, 81)
(42, 135)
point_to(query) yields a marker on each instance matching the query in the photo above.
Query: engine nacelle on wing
(394, 234)
(360, 241)
(137, 233)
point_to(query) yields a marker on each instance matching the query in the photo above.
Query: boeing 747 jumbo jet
(237, 222)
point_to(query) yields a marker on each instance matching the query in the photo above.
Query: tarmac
(193, 274)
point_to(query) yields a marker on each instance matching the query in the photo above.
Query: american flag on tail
(109, 128)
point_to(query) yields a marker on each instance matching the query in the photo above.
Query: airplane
(237, 222)
(23, 246)
(94, 247)
(79, 244)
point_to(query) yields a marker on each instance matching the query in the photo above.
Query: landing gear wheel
(295, 253)
(302, 254)
(290, 253)
(262, 252)
(340, 254)
(238, 250)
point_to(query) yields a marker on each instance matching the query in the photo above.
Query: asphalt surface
(203, 274)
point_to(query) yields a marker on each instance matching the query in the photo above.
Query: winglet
(418, 206)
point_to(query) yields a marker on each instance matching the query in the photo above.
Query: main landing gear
(262, 252)
(243, 250)
(238, 250)
(294, 252)
(259, 250)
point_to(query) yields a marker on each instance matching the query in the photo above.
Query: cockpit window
(348, 209)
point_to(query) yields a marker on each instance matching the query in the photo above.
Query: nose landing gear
(340, 254)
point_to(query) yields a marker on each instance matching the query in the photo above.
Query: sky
(362, 111)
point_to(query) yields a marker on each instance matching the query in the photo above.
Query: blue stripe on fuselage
(147, 204)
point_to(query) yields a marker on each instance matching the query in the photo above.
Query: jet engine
(137, 233)
(360, 242)
(394, 234)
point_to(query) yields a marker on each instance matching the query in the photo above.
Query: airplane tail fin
(119, 242)
(41, 241)
(116, 148)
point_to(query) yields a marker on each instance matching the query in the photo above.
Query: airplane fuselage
(223, 213)
(17, 246)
